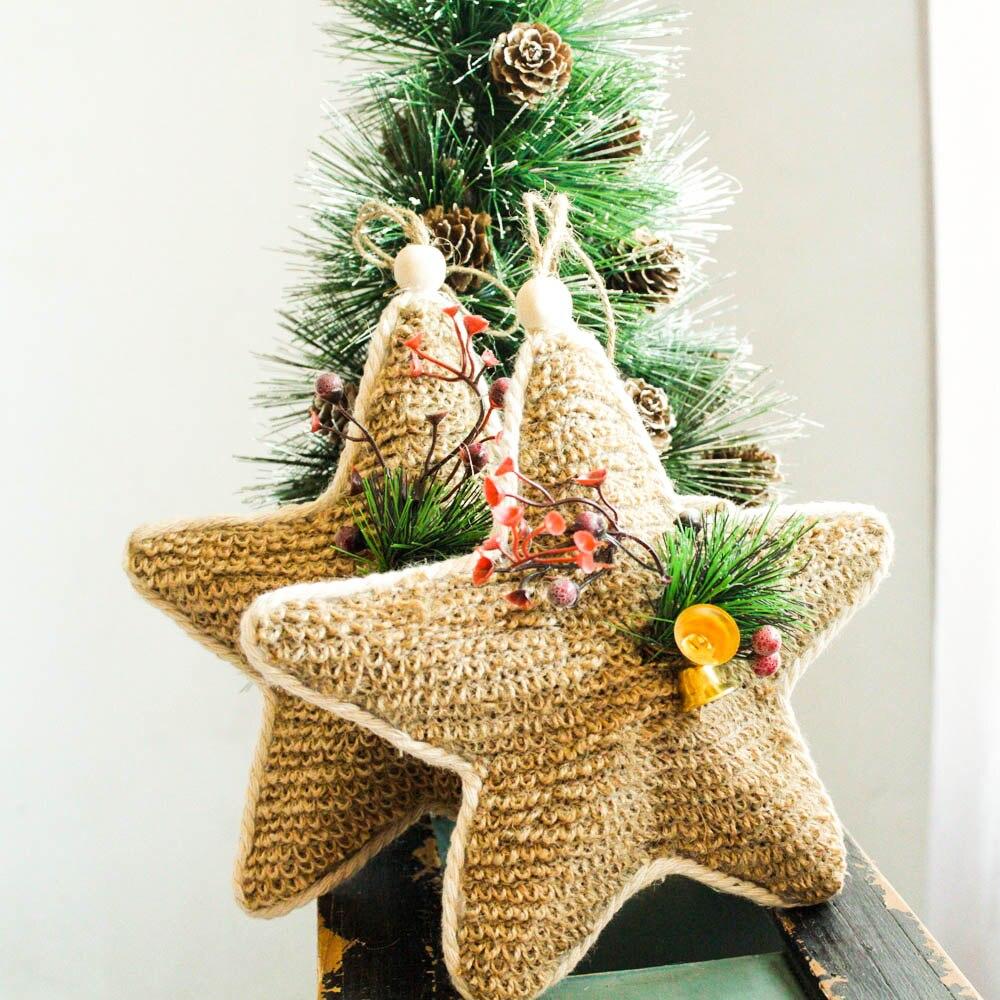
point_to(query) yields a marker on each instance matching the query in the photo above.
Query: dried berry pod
(530, 63)
(463, 236)
(563, 592)
(327, 414)
(498, 392)
(330, 387)
(475, 455)
(691, 518)
(349, 539)
(654, 408)
(590, 520)
(647, 265)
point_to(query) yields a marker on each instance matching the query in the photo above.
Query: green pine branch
(743, 567)
(402, 525)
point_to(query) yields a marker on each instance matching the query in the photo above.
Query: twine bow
(559, 239)
(415, 230)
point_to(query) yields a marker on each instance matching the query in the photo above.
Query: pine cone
(763, 472)
(463, 236)
(529, 63)
(651, 267)
(625, 141)
(654, 408)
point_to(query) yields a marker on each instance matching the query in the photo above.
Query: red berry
(563, 592)
(349, 539)
(498, 391)
(765, 666)
(330, 387)
(475, 455)
(589, 520)
(766, 640)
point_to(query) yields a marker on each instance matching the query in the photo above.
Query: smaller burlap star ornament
(530, 63)
(583, 777)
(325, 795)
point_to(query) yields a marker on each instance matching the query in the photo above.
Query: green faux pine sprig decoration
(401, 523)
(742, 567)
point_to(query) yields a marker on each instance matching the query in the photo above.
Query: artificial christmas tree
(470, 106)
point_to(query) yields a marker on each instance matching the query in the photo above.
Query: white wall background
(148, 160)
(963, 903)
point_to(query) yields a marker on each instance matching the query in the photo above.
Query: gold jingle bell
(708, 637)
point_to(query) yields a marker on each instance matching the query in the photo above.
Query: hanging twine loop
(545, 299)
(419, 266)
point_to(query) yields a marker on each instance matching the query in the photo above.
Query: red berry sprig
(470, 454)
(766, 644)
(588, 544)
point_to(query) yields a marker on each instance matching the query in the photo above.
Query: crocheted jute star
(582, 778)
(325, 795)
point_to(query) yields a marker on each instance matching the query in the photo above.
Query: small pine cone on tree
(650, 266)
(625, 141)
(530, 63)
(762, 475)
(463, 236)
(654, 407)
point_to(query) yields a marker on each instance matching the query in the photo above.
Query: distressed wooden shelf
(379, 940)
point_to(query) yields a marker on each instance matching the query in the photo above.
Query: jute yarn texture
(582, 779)
(324, 794)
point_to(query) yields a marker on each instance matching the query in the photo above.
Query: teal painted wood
(753, 977)
(676, 922)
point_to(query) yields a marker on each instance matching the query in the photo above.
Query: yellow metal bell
(708, 637)
(701, 685)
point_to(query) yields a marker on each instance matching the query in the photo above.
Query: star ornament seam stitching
(454, 903)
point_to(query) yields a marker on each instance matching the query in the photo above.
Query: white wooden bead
(544, 304)
(419, 268)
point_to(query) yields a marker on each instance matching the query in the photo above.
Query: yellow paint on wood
(331, 948)
(427, 855)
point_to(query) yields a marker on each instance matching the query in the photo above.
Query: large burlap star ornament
(325, 794)
(582, 778)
